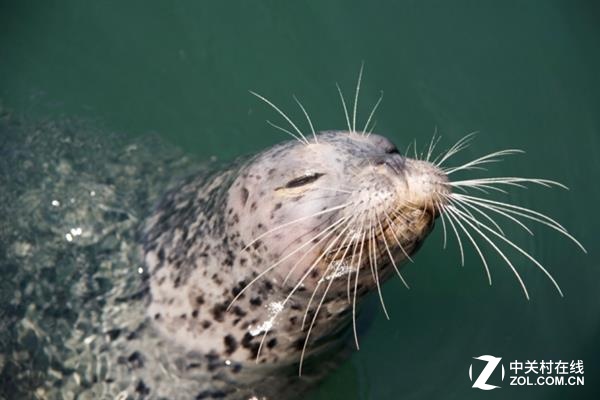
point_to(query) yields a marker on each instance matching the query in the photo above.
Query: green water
(524, 74)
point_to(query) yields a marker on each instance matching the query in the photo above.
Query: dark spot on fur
(238, 288)
(218, 311)
(195, 314)
(217, 280)
(157, 316)
(199, 300)
(298, 344)
(248, 343)
(113, 334)
(277, 206)
(244, 196)
(213, 360)
(238, 311)
(211, 394)
(256, 301)
(272, 343)
(135, 360)
(230, 344)
(206, 324)
(132, 335)
(193, 365)
(142, 389)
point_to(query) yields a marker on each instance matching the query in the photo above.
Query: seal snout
(428, 186)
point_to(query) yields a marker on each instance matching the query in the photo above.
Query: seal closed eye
(303, 180)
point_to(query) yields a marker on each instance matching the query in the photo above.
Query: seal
(309, 218)
(246, 279)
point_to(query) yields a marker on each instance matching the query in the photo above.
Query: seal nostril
(394, 161)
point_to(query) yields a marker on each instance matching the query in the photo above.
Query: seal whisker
(475, 206)
(370, 247)
(329, 266)
(355, 247)
(488, 158)
(441, 214)
(372, 113)
(308, 272)
(472, 240)
(512, 244)
(507, 180)
(356, 96)
(390, 255)
(466, 207)
(332, 226)
(373, 263)
(312, 323)
(432, 143)
(354, 329)
(314, 318)
(371, 128)
(286, 131)
(262, 235)
(312, 128)
(282, 114)
(475, 184)
(460, 247)
(422, 154)
(390, 221)
(455, 212)
(483, 188)
(525, 213)
(300, 282)
(460, 145)
(345, 108)
(416, 155)
(407, 149)
(329, 196)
